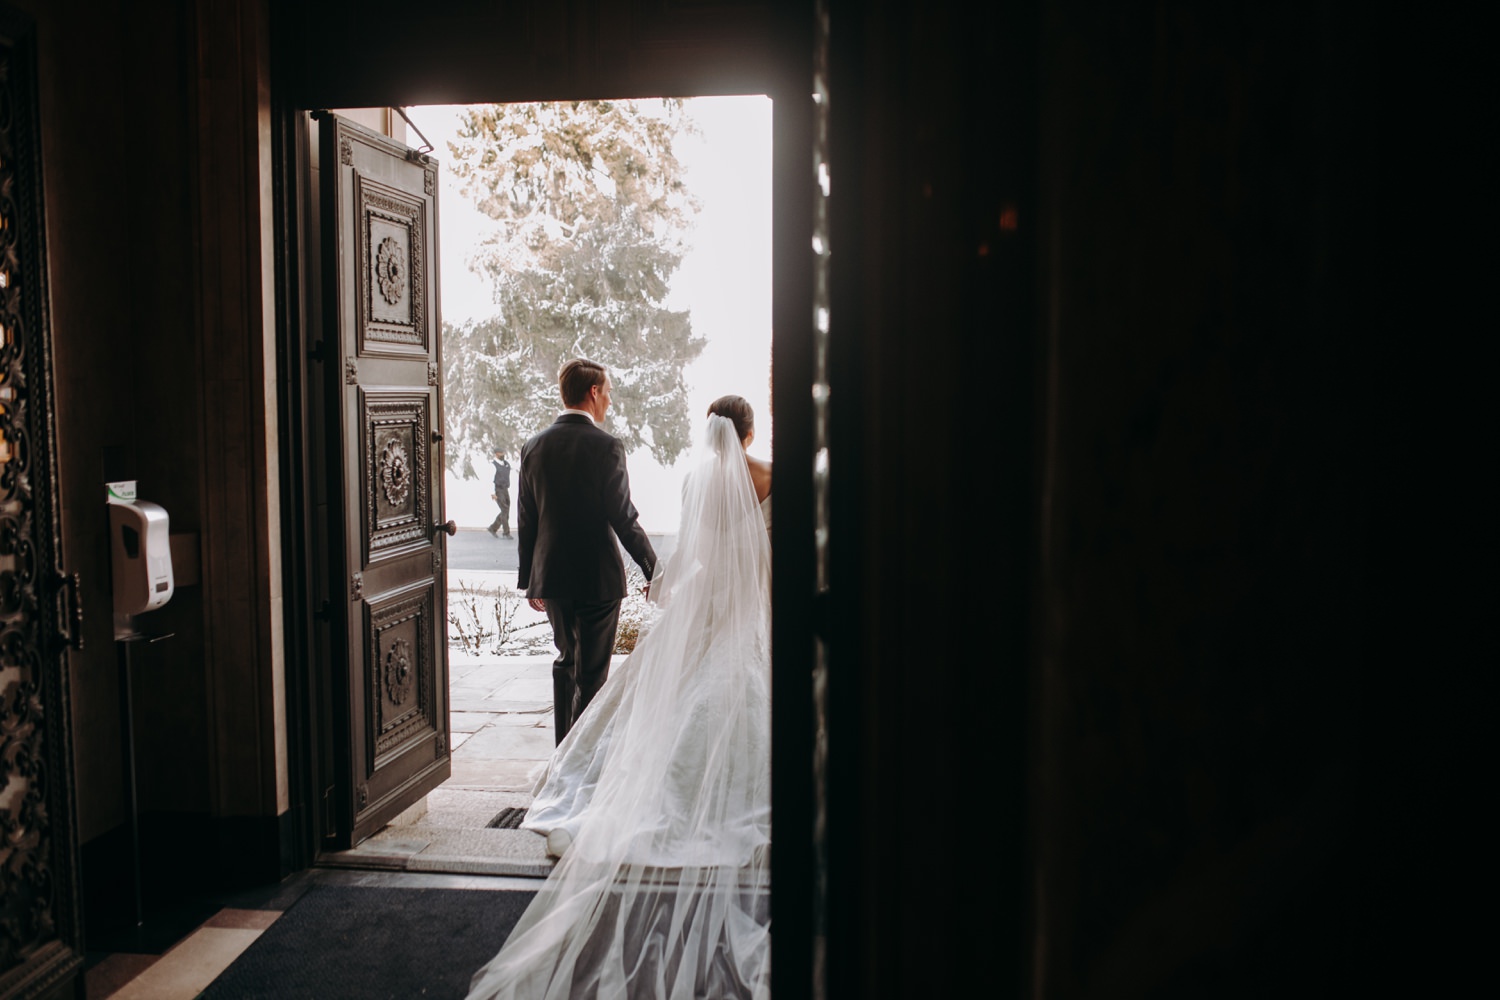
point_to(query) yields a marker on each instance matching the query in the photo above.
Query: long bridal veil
(664, 890)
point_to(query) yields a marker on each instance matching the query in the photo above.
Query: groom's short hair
(577, 378)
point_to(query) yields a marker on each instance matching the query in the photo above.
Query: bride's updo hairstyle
(737, 410)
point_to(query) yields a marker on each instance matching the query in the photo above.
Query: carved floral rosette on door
(391, 405)
(392, 306)
(400, 702)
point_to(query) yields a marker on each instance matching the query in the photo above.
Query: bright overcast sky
(725, 282)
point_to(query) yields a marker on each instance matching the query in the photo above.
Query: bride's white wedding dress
(664, 782)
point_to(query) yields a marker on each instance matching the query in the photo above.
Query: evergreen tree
(591, 214)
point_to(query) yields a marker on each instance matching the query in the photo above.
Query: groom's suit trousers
(584, 633)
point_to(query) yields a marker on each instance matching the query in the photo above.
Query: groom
(573, 502)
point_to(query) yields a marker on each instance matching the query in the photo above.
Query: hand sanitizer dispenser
(140, 556)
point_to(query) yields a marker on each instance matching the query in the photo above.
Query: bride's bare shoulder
(760, 476)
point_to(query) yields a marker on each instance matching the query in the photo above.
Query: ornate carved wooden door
(379, 208)
(41, 929)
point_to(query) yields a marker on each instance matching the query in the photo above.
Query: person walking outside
(501, 524)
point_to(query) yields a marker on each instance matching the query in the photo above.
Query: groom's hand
(537, 604)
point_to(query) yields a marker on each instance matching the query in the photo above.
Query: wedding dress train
(664, 783)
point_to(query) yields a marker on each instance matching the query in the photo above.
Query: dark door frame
(309, 640)
(785, 75)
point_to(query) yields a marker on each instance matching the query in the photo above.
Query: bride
(658, 799)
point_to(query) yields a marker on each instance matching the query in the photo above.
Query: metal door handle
(450, 528)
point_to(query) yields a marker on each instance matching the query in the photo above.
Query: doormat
(374, 943)
(508, 818)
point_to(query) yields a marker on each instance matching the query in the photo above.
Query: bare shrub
(482, 618)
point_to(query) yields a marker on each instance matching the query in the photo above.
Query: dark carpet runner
(374, 944)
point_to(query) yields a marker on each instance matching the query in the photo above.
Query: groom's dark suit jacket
(574, 501)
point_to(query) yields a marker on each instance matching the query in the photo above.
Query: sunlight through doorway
(500, 650)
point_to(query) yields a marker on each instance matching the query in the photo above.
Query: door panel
(380, 216)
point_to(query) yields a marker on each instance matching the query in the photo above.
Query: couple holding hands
(657, 798)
